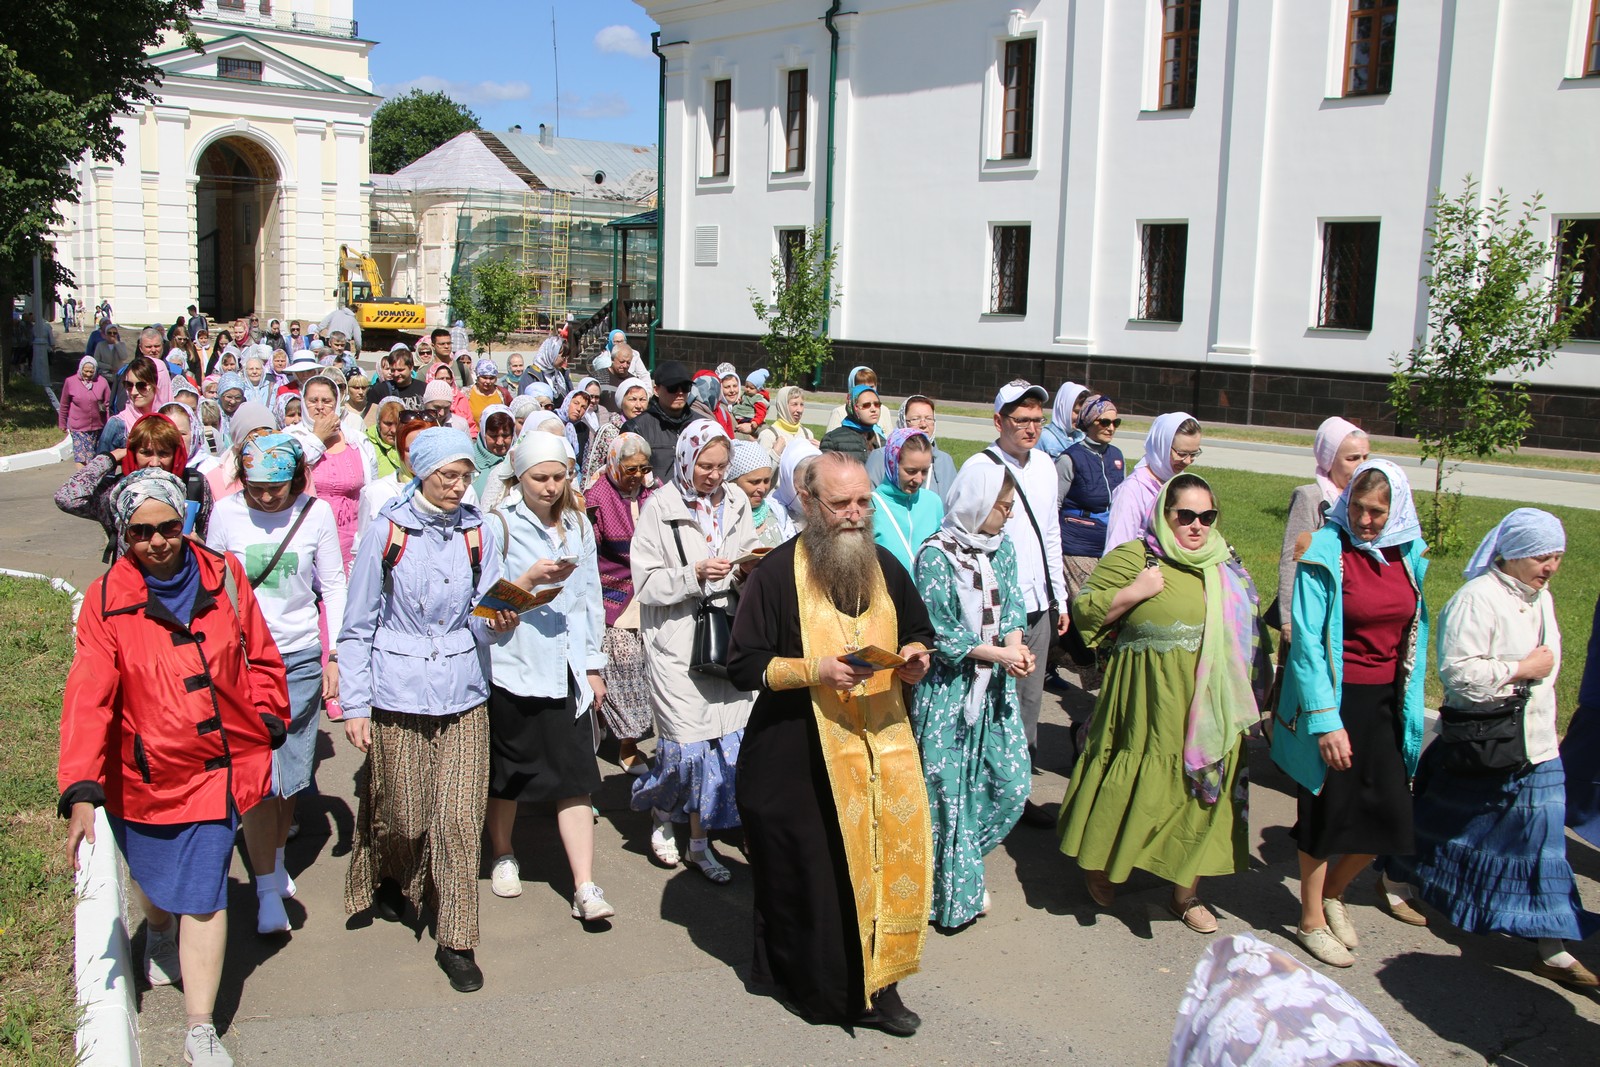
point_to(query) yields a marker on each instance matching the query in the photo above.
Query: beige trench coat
(688, 706)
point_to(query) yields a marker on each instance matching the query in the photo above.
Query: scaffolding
(546, 252)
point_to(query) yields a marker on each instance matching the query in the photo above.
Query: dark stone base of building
(1300, 400)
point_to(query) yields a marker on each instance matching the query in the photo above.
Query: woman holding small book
(541, 718)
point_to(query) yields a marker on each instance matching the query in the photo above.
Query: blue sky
(494, 56)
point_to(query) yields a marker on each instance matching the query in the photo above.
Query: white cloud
(623, 40)
(469, 93)
(598, 106)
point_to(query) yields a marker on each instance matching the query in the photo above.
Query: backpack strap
(473, 536)
(505, 534)
(393, 550)
(1027, 509)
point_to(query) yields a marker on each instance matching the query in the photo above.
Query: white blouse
(1485, 630)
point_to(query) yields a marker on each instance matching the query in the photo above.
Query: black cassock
(806, 942)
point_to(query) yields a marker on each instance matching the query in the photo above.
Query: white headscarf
(1158, 444)
(536, 448)
(1061, 411)
(785, 493)
(1330, 435)
(971, 554)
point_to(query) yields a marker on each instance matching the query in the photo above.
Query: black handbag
(713, 630)
(1483, 742)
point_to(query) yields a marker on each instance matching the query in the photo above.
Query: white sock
(697, 844)
(1554, 952)
(1394, 892)
(267, 882)
(286, 886)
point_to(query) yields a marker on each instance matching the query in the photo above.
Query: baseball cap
(1015, 390)
(672, 373)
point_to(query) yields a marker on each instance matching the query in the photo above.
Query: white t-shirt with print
(310, 563)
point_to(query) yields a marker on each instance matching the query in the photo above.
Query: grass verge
(28, 421)
(1255, 508)
(38, 1008)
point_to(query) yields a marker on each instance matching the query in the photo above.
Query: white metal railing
(275, 17)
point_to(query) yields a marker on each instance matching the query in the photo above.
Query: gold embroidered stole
(879, 791)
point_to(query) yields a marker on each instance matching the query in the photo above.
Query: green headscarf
(1224, 704)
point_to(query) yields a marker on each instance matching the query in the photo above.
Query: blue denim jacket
(560, 641)
(416, 647)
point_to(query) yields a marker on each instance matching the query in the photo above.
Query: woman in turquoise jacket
(1349, 721)
(908, 512)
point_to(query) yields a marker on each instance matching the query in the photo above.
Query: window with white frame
(1369, 47)
(1163, 259)
(1579, 247)
(1016, 105)
(721, 127)
(1349, 275)
(795, 107)
(1008, 271)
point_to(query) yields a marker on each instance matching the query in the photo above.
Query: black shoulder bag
(713, 630)
(1486, 742)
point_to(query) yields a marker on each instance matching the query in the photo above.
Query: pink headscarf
(1330, 435)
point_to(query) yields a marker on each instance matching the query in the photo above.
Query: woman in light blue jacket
(1349, 721)
(413, 678)
(546, 674)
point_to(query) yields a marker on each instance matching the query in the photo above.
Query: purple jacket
(84, 407)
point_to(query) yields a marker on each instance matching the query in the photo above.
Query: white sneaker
(161, 956)
(589, 904)
(506, 879)
(203, 1048)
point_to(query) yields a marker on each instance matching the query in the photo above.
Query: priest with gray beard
(831, 791)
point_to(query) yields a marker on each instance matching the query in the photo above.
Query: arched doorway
(236, 215)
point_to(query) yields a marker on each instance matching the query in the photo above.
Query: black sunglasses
(138, 533)
(684, 388)
(1113, 423)
(1186, 517)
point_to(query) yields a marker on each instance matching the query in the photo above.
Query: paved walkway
(1045, 979)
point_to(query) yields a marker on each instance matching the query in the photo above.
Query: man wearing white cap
(1033, 527)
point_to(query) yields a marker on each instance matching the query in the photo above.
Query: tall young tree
(796, 317)
(67, 69)
(489, 298)
(406, 128)
(1499, 306)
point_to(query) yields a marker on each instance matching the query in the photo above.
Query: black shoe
(1035, 815)
(459, 966)
(1057, 684)
(890, 1015)
(388, 902)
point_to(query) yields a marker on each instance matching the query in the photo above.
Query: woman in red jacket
(174, 702)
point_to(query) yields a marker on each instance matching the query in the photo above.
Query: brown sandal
(1101, 889)
(1194, 914)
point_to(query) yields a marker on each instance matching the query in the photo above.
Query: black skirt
(538, 750)
(1366, 809)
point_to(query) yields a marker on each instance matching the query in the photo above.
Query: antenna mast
(555, 51)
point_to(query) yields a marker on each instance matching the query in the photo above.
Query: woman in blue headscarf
(1491, 847)
(860, 433)
(908, 512)
(1349, 720)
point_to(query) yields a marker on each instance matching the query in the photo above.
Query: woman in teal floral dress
(1161, 784)
(964, 714)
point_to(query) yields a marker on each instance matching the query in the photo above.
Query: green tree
(406, 128)
(796, 317)
(1496, 313)
(67, 69)
(489, 298)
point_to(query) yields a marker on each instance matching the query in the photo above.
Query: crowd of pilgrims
(288, 537)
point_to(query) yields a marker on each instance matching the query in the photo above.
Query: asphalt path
(1046, 978)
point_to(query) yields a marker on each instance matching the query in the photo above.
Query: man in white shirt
(1036, 533)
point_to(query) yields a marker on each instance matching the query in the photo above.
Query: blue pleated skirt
(697, 776)
(1580, 755)
(1492, 852)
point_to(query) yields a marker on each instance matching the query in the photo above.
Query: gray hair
(338, 335)
(256, 358)
(631, 444)
(153, 331)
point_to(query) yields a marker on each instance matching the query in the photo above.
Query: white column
(123, 282)
(1080, 152)
(310, 254)
(844, 155)
(351, 224)
(174, 224)
(677, 199)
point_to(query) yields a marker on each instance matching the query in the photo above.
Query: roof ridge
(493, 143)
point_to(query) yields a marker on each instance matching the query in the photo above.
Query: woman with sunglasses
(170, 637)
(965, 714)
(1161, 784)
(1172, 444)
(1348, 723)
(141, 386)
(289, 546)
(859, 434)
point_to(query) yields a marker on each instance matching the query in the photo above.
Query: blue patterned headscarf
(233, 380)
(436, 446)
(270, 459)
(1523, 534)
(1403, 526)
(850, 419)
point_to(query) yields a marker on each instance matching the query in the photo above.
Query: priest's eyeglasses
(855, 509)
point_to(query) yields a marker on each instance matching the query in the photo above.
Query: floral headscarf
(891, 453)
(1224, 704)
(1093, 408)
(691, 442)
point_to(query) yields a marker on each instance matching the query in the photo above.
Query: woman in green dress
(965, 712)
(1161, 784)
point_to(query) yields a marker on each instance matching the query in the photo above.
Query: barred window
(1349, 274)
(721, 126)
(1591, 52)
(1008, 279)
(1369, 49)
(240, 69)
(791, 246)
(1164, 252)
(1180, 43)
(794, 123)
(1584, 232)
(1016, 138)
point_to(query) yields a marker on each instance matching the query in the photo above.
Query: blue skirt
(1580, 754)
(183, 867)
(696, 776)
(1492, 853)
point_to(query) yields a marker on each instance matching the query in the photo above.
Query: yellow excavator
(361, 290)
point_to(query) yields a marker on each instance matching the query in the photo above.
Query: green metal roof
(645, 220)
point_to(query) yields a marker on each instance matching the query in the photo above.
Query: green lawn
(38, 1011)
(28, 419)
(1256, 506)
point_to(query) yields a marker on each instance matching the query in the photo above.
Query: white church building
(1223, 211)
(239, 184)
